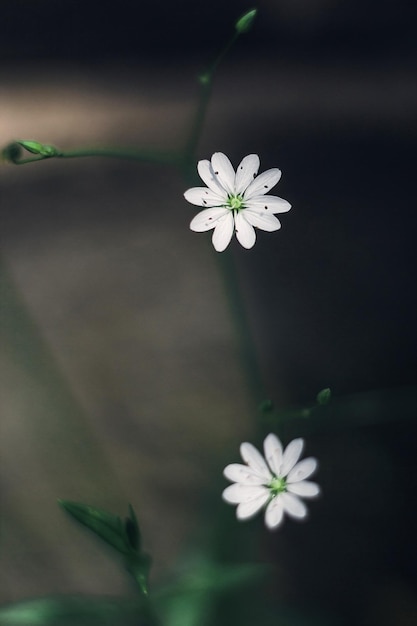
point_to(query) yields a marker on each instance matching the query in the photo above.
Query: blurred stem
(206, 83)
(242, 326)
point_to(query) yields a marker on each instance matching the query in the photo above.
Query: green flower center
(235, 202)
(277, 485)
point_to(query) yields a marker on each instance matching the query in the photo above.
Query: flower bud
(12, 152)
(34, 147)
(323, 397)
(244, 23)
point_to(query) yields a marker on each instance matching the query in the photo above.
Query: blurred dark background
(115, 288)
(128, 30)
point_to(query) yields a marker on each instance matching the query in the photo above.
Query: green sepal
(108, 527)
(34, 147)
(244, 23)
(324, 396)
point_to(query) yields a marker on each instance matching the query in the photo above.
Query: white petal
(273, 453)
(274, 513)
(224, 171)
(243, 474)
(271, 204)
(246, 172)
(202, 196)
(255, 460)
(243, 493)
(245, 232)
(206, 172)
(305, 489)
(208, 219)
(263, 183)
(262, 219)
(247, 509)
(291, 455)
(293, 505)
(302, 470)
(223, 231)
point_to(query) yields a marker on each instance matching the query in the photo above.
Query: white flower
(235, 201)
(276, 481)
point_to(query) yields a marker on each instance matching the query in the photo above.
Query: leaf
(107, 526)
(132, 530)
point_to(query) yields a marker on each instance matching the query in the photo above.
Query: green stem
(206, 83)
(147, 156)
(242, 326)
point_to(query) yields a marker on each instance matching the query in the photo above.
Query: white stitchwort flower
(277, 481)
(235, 201)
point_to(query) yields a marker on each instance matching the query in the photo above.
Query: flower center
(277, 485)
(235, 202)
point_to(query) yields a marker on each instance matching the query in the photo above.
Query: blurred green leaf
(126, 538)
(76, 611)
(132, 530)
(107, 526)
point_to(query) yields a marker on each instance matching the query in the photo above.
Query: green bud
(12, 152)
(324, 396)
(244, 23)
(34, 147)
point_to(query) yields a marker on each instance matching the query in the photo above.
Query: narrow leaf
(107, 526)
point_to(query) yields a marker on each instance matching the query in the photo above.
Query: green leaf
(244, 23)
(76, 611)
(107, 526)
(132, 530)
(324, 396)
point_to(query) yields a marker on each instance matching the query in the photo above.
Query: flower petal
(206, 173)
(293, 505)
(302, 470)
(245, 232)
(224, 171)
(237, 493)
(243, 474)
(223, 231)
(273, 453)
(255, 460)
(291, 455)
(246, 172)
(262, 219)
(263, 183)
(271, 204)
(202, 196)
(248, 509)
(208, 219)
(274, 513)
(305, 489)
